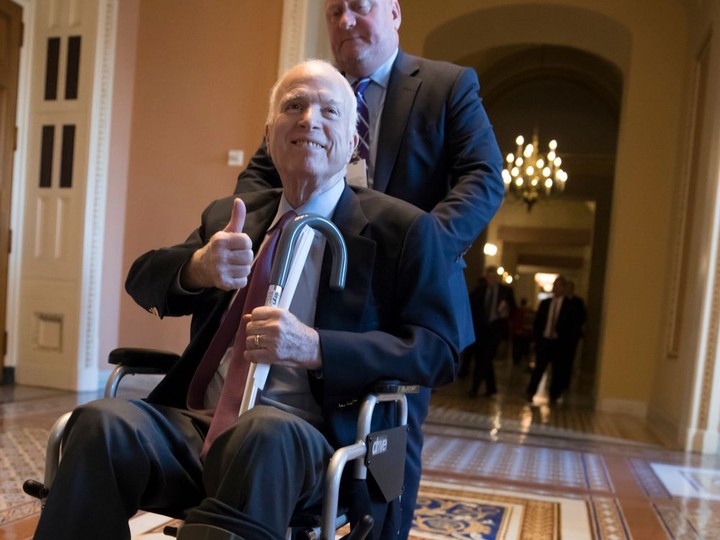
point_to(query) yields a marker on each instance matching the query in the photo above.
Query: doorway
(573, 97)
(11, 35)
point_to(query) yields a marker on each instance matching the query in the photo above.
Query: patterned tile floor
(494, 469)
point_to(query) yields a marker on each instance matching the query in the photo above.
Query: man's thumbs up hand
(225, 261)
(237, 218)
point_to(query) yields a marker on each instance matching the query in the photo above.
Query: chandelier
(530, 175)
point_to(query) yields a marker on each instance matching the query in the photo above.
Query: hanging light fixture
(531, 175)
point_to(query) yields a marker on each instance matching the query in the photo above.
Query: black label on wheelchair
(385, 460)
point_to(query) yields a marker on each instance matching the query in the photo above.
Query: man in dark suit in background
(554, 332)
(492, 304)
(578, 316)
(431, 144)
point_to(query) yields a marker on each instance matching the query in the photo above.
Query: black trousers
(560, 354)
(485, 350)
(120, 456)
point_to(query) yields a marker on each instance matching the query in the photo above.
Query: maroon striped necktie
(232, 330)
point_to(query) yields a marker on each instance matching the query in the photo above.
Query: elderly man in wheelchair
(245, 476)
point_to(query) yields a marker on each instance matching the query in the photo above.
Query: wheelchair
(374, 454)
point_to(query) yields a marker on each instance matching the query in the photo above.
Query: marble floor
(495, 468)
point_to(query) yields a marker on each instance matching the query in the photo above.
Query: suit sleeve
(475, 166)
(259, 174)
(414, 338)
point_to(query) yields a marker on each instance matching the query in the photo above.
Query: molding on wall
(564, 236)
(302, 33)
(293, 33)
(96, 194)
(702, 441)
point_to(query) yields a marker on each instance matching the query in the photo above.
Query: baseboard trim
(623, 406)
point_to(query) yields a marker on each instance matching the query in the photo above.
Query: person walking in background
(577, 317)
(492, 304)
(553, 332)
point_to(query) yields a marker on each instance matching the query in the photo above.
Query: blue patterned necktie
(363, 124)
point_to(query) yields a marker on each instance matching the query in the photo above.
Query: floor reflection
(509, 411)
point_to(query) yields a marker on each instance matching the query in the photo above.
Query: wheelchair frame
(130, 361)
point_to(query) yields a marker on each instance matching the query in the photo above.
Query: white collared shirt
(553, 312)
(375, 98)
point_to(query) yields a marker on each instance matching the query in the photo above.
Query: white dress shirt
(375, 98)
(553, 312)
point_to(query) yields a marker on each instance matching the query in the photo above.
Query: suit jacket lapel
(347, 314)
(402, 89)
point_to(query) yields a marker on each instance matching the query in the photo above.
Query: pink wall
(202, 75)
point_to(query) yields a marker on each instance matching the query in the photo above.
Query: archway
(563, 81)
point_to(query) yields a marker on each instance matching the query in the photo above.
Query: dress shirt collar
(381, 76)
(322, 204)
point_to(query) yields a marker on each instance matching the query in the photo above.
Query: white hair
(313, 68)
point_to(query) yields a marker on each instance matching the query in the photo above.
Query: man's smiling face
(311, 135)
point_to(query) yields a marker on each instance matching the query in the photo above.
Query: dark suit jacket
(578, 315)
(565, 325)
(436, 150)
(481, 319)
(393, 320)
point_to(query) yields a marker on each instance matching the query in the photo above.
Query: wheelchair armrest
(143, 358)
(132, 361)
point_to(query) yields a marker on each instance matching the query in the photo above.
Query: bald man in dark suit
(324, 352)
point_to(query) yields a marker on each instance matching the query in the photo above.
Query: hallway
(494, 469)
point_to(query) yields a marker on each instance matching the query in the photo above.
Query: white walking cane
(283, 279)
